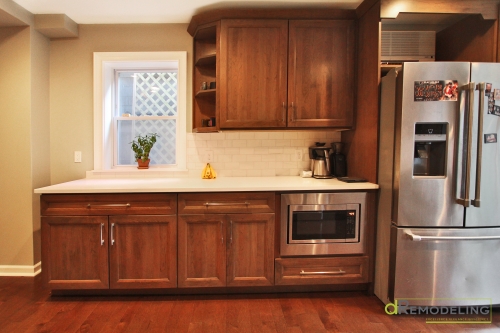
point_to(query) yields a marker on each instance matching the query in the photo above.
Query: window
(136, 94)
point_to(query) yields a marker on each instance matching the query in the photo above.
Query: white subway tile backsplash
(253, 153)
(239, 143)
(262, 135)
(290, 135)
(247, 135)
(276, 135)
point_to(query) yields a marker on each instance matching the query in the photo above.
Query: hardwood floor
(27, 307)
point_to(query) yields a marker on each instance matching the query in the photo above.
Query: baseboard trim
(21, 270)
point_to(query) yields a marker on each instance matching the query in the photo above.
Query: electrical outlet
(209, 156)
(78, 157)
(298, 155)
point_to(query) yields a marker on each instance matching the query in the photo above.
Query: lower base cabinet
(141, 252)
(218, 250)
(109, 241)
(186, 240)
(75, 252)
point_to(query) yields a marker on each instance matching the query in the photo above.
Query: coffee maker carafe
(320, 161)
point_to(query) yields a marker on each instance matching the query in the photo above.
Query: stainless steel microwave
(322, 223)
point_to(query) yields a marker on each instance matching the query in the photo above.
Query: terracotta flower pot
(143, 164)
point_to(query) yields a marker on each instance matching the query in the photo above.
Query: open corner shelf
(205, 130)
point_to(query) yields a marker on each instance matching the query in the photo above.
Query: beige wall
(71, 85)
(40, 129)
(24, 106)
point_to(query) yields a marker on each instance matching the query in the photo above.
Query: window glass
(146, 104)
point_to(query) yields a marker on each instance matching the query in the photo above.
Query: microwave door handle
(481, 87)
(469, 89)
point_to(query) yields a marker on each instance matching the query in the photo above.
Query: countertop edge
(229, 184)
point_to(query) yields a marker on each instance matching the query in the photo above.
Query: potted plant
(142, 147)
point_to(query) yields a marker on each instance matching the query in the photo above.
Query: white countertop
(222, 184)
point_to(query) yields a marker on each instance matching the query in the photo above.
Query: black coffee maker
(338, 163)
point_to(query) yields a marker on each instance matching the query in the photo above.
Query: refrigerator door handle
(469, 88)
(417, 238)
(477, 200)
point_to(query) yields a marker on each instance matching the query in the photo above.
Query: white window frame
(105, 64)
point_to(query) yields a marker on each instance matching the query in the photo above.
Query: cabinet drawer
(109, 204)
(234, 202)
(309, 271)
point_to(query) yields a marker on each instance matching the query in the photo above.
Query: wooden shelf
(205, 70)
(208, 33)
(212, 129)
(208, 94)
(206, 61)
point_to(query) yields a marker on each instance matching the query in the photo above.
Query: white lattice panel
(155, 94)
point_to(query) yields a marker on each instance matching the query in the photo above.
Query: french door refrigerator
(438, 233)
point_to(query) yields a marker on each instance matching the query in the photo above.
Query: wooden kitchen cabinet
(333, 270)
(253, 75)
(101, 241)
(226, 239)
(279, 73)
(143, 251)
(321, 73)
(202, 251)
(75, 252)
(250, 259)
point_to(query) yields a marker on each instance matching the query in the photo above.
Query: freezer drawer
(445, 263)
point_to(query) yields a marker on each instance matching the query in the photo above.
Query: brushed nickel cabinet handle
(231, 234)
(226, 203)
(222, 233)
(108, 205)
(102, 239)
(339, 272)
(112, 237)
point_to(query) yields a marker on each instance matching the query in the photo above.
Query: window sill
(133, 172)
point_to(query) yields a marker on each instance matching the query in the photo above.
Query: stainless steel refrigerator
(438, 233)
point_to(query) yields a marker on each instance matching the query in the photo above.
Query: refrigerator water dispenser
(429, 157)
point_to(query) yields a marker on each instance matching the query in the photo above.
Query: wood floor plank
(105, 316)
(180, 316)
(26, 307)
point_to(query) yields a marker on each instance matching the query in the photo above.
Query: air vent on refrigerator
(399, 46)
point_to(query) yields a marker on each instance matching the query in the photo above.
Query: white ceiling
(156, 11)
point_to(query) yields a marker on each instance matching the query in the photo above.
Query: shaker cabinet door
(253, 73)
(202, 250)
(250, 250)
(143, 251)
(321, 73)
(75, 252)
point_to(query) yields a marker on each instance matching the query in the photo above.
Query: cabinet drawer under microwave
(307, 271)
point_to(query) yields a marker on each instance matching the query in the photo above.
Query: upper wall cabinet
(274, 69)
(253, 73)
(280, 73)
(321, 73)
